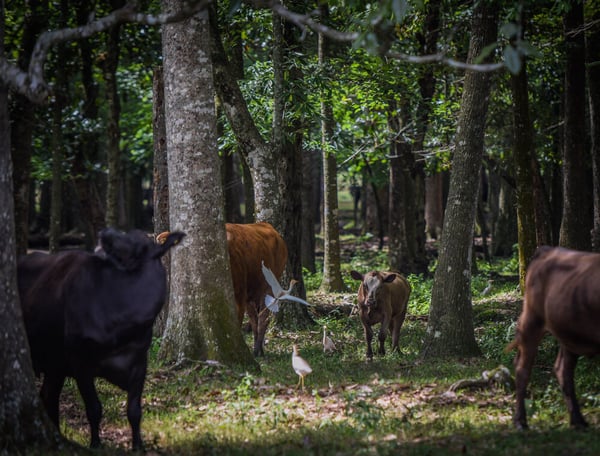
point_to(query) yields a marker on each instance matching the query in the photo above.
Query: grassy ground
(396, 404)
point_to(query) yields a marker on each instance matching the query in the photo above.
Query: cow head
(370, 287)
(127, 251)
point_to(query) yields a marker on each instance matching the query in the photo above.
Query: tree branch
(306, 21)
(32, 84)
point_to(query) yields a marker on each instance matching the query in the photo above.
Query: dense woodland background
(450, 124)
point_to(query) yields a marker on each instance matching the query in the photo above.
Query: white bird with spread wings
(279, 294)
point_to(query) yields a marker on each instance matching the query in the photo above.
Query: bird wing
(271, 280)
(289, 297)
(271, 303)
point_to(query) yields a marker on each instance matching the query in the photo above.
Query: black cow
(91, 315)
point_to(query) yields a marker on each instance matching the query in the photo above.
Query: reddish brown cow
(249, 245)
(382, 298)
(561, 297)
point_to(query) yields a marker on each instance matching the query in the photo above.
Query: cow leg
(50, 394)
(93, 407)
(396, 326)
(529, 335)
(134, 414)
(564, 368)
(263, 323)
(369, 339)
(252, 312)
(385, 325)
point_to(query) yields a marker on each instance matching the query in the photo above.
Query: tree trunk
(160, 194)
(202, 322)
(23, 118)
(523, 157)
(257, 153)
(23, 421)
(84, 180)
(113, 152)
(332, 273)
(310, 168)
(427, 45)
(292, 315)
(434, 205)
(60, 91)
(505, 233)
(401, 204)
(450, 326)
(576, 221)
(593, 77)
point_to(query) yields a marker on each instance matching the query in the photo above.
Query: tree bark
(311, 168)
(450, 326)
(113, 151)
(60, 91)
(523, 157)
(285, 44)
(576, 221)
(593, 78)
(23, 420)
(23, 118)
(258, 154)
(202, 322)
(332, 273)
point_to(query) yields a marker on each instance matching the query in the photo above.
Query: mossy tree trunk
(523, 157)
(450, 326)
(202, 322)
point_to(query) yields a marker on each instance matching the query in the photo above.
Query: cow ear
(389, 278)
(170, 240)
(356, 275)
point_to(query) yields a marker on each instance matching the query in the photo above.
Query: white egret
(301, 367)
(279, 294)
(328, 345)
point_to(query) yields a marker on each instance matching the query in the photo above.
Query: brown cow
(250, 245)
(382, 298)
(561, 297)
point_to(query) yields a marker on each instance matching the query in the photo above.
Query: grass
(396, 404)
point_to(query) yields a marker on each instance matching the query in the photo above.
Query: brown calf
(562, 290)
(249, 245)
(382, 298)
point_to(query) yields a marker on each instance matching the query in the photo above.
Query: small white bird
(487, 289)
(301, 367)
(328, 345)
(279, 294)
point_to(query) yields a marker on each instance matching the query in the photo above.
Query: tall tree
(592, 47)
(523, 157)
(113, 147)
(23, 421)
(332, 273)
(576, 221)
(287, 142)
(450, 326)
(23, 118)
(202, 322)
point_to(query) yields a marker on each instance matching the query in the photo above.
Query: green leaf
(510, 30)
(485, 53)
(512, 59)
(400, 8)
(526, 48)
